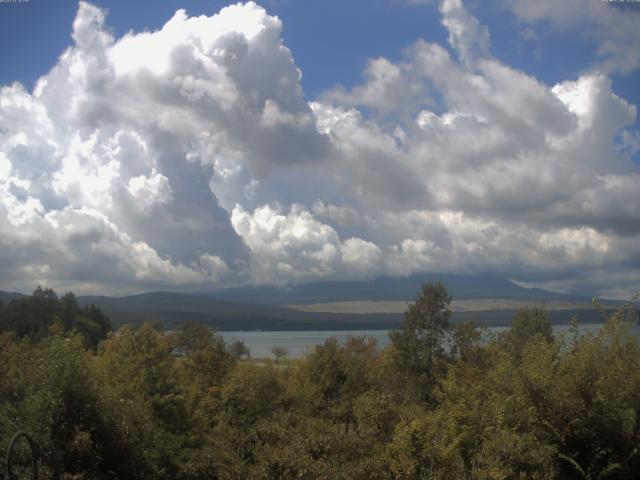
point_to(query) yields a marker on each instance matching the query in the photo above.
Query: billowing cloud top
(188, 158)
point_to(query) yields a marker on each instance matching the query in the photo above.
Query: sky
(198, 145)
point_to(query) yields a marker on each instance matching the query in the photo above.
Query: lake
(298, 343)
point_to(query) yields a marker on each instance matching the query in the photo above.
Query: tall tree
(528, 325)
(419, 342)
(68, 310)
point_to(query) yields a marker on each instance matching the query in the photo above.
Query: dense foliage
(42, 313)
(440, 402)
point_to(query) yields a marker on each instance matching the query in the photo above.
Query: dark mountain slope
(387, 288)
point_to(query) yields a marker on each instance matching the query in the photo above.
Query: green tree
(279, 352)
(48, 391)
(69, 310)
(528, 325)
(193, 337)
(419, 343)
(207, 359)
(467, 344)
(92, 324)
(143, 402)
(34, 317)
(238, 349)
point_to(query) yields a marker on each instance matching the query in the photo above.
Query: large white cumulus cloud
(106, 168)
(296, 246)
(188, 157)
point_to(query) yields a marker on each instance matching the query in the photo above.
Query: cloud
(126, 136)
(614, 30)
(545, 171)
(469, 39)
(189, 158)
(388, 87)
(296, 246)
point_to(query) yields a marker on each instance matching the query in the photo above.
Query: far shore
(364, 307)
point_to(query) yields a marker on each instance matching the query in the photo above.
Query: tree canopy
(441, 401)
(34, 316)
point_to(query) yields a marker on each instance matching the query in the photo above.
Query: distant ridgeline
(268, 308)
(388, 288)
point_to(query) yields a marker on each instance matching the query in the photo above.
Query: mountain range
(461, 287)
(310, 306)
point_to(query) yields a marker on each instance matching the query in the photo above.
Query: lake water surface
(298, 343)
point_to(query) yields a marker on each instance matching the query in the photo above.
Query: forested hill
(6, 297)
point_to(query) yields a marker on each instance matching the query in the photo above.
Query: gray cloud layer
(188, 158)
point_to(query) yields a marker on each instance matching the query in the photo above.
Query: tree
(141, 402)
(192, 336)
(35, 316)
(528, 325)
(279, 352)
(68, 310)
(32, 316)
(92, 324)
(238, 349)
(419, 342)
(325, 370)
(47, 390)
(208, 361)
(3, 321)
(467, 344)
